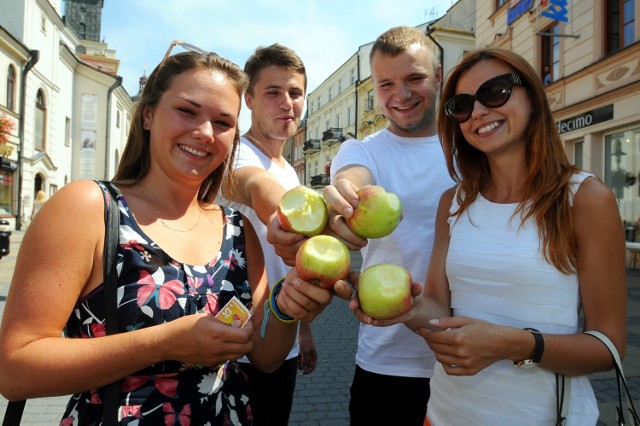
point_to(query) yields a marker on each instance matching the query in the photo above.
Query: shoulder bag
(563, 401)
(13, 413)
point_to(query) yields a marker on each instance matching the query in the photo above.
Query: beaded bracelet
(270, 305)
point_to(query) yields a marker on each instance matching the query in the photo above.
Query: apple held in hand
(378, 212)
(384, 291)
(323, 260)
(302, 210)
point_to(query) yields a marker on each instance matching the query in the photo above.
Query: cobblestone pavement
(322, 398)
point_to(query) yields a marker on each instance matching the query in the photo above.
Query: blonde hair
(41, 196)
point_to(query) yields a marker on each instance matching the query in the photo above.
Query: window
(578, 154)
(67, 131)
(40, 122)
(339, 86)
(369, 105)
(118, 119)
(6, 192)
(500, 3)
(330, 94)
(353, 75)
(619, 25)
(550, 48)
(349, 118)
(11, 87)
(621, 168)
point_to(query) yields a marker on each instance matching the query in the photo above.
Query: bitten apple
(323, 260)
(384, 291)
(302, 210)
(378, 212)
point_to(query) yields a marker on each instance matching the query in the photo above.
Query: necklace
(257, 144)
(165, 224)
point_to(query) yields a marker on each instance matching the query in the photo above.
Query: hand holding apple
(385, 291)
(377, 214)
(323, 260)
(302, 210)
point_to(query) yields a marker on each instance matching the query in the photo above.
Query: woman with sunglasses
(524, 241)
(181, 258)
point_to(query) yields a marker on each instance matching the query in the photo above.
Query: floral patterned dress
(153, 288)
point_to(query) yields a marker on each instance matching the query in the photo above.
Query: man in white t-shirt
(275, 95)
(393, 364)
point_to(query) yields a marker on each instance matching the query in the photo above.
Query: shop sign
(586, 119)
(558, 11)
(517, 8)
(8, 164)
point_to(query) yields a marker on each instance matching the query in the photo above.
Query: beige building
(61, 92)
(592, 55)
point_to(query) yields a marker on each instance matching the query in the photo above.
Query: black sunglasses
(493, 93)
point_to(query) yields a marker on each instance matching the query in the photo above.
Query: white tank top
(497, 273)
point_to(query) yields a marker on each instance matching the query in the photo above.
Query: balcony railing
(319, 181)
(312, 145)
(332, 135)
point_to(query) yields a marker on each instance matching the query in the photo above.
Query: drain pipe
(107, 152)
(428, 32)
(35, 56)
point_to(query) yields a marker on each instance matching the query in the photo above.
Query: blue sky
(324, 33)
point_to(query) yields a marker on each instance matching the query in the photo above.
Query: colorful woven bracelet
(275, 290)
(270, 305)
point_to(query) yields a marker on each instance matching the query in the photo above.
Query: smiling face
(406, 87)
(193, 126)
(276, 102)
(494, 130)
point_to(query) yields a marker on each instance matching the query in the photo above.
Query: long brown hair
(135, 161)
(546, 186)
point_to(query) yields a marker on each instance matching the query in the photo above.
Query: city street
(322, 397)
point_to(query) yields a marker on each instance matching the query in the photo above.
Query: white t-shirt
(249, 155)
(415, 170)
(497, 273)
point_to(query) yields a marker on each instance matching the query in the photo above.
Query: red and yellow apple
(302, 210)
(323, 260)
(378, 212)
(384, 291)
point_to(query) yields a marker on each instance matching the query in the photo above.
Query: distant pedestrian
(38, 202)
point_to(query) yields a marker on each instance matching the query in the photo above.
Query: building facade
(588, 54)
(70, 115)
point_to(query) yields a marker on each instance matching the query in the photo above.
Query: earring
(146, 125)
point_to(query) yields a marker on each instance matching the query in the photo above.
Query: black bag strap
(15, 409)
(109, 262)
(13, 414)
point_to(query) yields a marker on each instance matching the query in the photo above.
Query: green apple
(323, 260)
(378, 212)
(384, 291)
(302, 210)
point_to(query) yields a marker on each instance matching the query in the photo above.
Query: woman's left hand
(464, 346)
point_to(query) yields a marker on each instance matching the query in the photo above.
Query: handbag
(563, 387)
(13, 413)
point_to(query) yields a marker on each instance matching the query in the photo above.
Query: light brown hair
(277, 55)
(135, 161)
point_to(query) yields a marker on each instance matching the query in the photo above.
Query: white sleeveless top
(497, 273)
